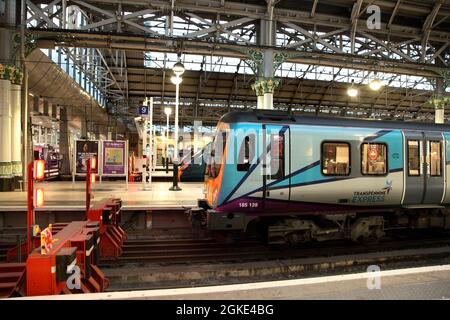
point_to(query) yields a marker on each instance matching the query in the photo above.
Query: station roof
(326, 42)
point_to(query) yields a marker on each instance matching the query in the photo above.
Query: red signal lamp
(93, 163)
(39, 170)
(39, 197)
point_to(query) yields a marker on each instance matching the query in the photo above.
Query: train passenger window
(335, 158)
(413, 158)
(435, 158)
(276, 161)
(246, 153)
(374, 159)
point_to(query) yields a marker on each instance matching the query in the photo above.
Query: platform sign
(85, 149)
(143, 110)
(46, 240)
(114, 158)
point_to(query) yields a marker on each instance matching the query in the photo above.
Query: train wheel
(299, 237)
(373, 237)
(367, 229)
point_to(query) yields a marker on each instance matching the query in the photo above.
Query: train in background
(193, 166)
(302, 178)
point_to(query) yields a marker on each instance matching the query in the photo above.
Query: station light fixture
(176, 80)
(352, 91)
(178, 69)
(38, 170)
(168, 111)
(376, 83)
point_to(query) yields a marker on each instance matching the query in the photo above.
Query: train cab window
(413, 158)
(374, 159)
(276, 161)
(246, 153)
(435, 158)
(218, 149)
(335, 159)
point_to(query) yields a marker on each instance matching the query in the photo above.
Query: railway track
(175, 251)
(4, 247)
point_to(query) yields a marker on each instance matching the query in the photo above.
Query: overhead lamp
(168, 111)
(352, 91)
(176, 80)
(375, 84)
(178, 69)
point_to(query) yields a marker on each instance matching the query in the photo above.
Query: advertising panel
(114, 157)
(85, 149)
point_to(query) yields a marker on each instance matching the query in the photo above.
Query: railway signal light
(39, 197)
(93, 178)
(93, 163)
(39, 170)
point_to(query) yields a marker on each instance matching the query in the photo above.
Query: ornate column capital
(265, 85)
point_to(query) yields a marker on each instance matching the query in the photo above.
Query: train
(193, 166)
(301, 178)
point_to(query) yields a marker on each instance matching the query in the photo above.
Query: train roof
(285, 117)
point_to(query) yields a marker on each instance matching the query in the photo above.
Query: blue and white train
(304, 178)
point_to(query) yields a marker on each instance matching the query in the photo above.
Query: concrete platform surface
(412, 283)
(65, 195)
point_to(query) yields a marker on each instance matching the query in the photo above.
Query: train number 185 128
(248, 204)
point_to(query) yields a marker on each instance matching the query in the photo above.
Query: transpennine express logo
(387, 186)
(372, 196)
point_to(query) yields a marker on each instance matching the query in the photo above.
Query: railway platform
(430, 283)
(66, 201)
(67, 196)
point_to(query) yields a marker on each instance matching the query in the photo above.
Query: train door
(424, 169)
(277, 166)
(434, 168)
(414, 168)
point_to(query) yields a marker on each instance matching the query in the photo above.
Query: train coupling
(197, 215)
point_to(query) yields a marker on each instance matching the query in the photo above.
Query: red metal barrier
(11, 278)
(75, 245)
(11, 254)
(111, 236)
(108, 214)
(76, 249)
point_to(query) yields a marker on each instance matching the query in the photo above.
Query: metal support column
(64, 142)
(439, 111)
